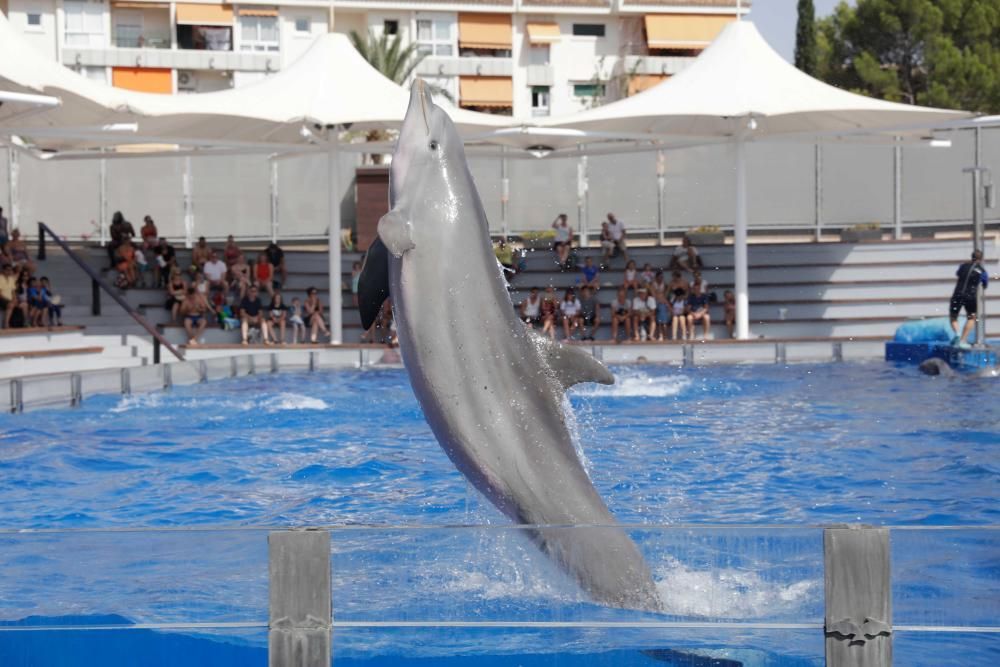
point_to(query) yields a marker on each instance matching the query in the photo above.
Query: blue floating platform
(917, 341)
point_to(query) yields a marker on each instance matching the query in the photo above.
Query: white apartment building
(520, 57)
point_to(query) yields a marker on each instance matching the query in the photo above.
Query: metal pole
(188, 204)
(582, 186)
(740, 244)
(818, 204)
(897, 191)
(978, 232)
(274, 200)
(660, 182)
(13, 172)
(336, 323)
(102, 202)
(504, 194)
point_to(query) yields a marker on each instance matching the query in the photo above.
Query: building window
(436, 35)
(35, 20)
(84, 23)
(539, 100)
(390, 27)
(588, 90)
(588, 29)
(205, 37)
(303, 24)
(539, 54)
(258, 33)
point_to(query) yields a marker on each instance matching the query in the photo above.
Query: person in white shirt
(617, 230)
(215, 270)
(570, 308)
(531, 308)
(686, 257)
(563, 242)
(643, 311)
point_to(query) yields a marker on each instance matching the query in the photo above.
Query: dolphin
(491, 389)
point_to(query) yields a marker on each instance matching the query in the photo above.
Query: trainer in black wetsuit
(970, 276)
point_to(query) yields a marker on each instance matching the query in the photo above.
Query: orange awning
(641, 82)
(543, 33)
(143, 79)
(486, 91)
(258, 11)
(141, 5)
(485, 31)
(191, 14)
(684, 31)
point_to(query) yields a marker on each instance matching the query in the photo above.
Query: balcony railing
(128, 40)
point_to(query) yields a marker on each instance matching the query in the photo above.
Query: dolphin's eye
(433, 145)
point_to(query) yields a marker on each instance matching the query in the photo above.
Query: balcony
(540, 75)
(668, 65)
(443, 66)
(243, 61)
(128, 39)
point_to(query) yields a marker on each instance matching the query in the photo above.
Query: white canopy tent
(304, 107)
(739, 89)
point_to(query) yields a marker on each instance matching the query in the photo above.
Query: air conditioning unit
(186, 81)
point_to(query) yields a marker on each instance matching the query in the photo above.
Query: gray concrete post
(858, 622)
(688, 351)
(301, 611)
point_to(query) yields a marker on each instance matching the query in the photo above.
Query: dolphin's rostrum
(491, 389)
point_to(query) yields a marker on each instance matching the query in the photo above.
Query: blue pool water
(752, 445)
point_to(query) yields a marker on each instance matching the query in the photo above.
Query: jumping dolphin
(491, 389)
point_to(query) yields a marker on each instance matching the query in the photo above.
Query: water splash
(632, 383)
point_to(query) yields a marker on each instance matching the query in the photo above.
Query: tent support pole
(897, 191)
(102, 202)
(582, 186)
(660, 183)
(12, 187)
(336, 314)
(818, 204)
(274, 199)
(504, 194)
(740, 244)
(188, 204)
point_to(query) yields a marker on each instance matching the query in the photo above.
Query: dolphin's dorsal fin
(373, 284)
(571, 365)
(395, 231)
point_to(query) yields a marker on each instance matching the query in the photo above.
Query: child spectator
(142, 267)
(549, 310)
(298, 324)
(647, 275)
(590, 313)
(678, 305)
(570, 311)
(698, 311)
(531, 309)
(264, 274)
(658, 288)
(38, 314)
(563, 241)
(729, 312)
(643, 312)
(590, 275)
(355, 282)
(53, 303)
(631, 277)
(621, 315)
(277, 315)
(126, 265)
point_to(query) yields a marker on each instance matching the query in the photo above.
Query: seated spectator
(686, 257)
(277, 315)
(264, 274)
(607, 245)
(590, 313)
(617, 230)
(276, 256)
(696, 279)
(22, 315)
(53, 303)
(121, 230)
(505, 255)
(697, 303)
(643, 313)
(200, 254)
(312, 311)
(383, 329)
(678, 312)
(677, 282)
(590, 275)
(18, 251)
(176, 289)
(127, 273)
(569, 309)
(231, 253)
(240, 277)
(194, 311)
(38, 314)
(531, 309)
(201, 285)
(647, 275)
(215, 270)
(550, 309)
(355, 282)
(8, 290)
(658, 289)
(631, 277)
(298, 324)
(621, 314)
(252, 315)
(142, 266)
(563, 242)
(729, 312)
(4, 231)
(166, 259)
(149, 234)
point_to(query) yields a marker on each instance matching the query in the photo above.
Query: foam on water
(634, 384)
(285, 401)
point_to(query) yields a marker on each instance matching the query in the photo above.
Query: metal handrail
(99, 282)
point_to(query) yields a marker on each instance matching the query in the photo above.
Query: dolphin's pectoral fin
(373, 284)
(395, 232)
(571, 365)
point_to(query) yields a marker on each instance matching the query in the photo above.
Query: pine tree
(805, 38)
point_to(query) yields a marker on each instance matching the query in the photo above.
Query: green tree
(805, 38)
(934, 52)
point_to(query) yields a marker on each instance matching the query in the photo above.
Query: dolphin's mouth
(422, 96)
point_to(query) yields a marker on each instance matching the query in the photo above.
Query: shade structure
(739, 89)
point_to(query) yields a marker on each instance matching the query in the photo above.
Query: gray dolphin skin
(491, 389)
